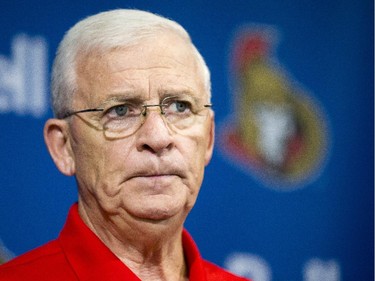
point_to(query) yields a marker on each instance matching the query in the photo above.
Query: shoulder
(46, 262)
(214, 273)
(34, 256)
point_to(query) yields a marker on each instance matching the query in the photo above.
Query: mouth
(154, 176)
(158, 171)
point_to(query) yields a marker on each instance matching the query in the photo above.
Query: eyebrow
(135, 98)
(178, 93)
(122, 98)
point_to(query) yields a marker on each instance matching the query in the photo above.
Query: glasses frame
(143, 110)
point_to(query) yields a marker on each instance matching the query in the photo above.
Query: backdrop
(289, 192)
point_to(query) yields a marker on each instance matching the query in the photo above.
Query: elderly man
(133, 124)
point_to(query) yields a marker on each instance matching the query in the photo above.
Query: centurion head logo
(277, 131)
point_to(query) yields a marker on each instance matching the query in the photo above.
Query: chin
(164, 213)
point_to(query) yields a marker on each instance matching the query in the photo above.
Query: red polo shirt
(78, 254)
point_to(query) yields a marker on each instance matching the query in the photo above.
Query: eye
(118, 110)
(179, 106)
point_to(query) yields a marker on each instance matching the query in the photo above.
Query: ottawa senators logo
(277, 131)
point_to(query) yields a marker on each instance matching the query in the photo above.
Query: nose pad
(146, 106)
(146, 112)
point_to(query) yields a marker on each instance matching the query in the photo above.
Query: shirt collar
(91, 259)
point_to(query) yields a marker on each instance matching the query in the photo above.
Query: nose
(154, 135)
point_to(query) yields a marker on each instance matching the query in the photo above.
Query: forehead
(155, 65)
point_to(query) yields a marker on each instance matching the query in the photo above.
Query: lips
(158, 171)
(155, 175)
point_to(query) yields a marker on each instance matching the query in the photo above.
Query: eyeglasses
(121, 119)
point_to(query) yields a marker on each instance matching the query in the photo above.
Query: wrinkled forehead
(155, 48)
(164, 61)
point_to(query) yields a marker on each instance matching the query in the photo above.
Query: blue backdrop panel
(289, 192)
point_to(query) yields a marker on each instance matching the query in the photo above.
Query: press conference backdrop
(289, 192)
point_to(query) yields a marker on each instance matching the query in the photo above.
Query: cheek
(113, 163)
(100, 166)
(193, 150)
(195, 156)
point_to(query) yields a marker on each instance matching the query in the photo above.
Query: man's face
(155, 173)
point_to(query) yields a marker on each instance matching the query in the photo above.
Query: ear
(211, 138)
(56, 137)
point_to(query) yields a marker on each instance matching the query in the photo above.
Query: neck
(151, 249)
(161, 260)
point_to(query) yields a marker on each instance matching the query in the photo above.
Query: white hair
(103, 32)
